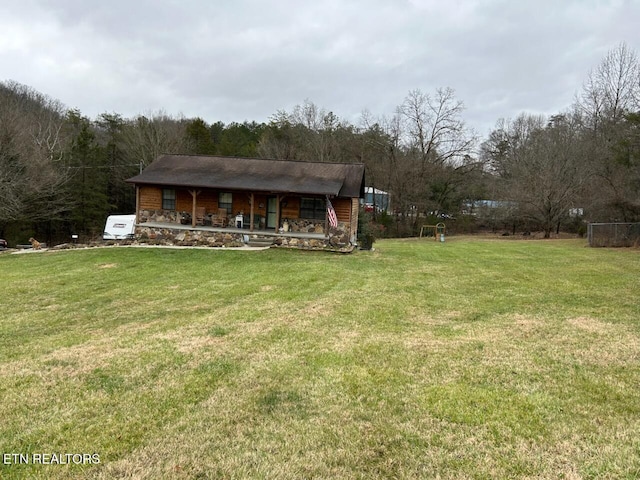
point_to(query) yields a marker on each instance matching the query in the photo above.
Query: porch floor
(243, 231)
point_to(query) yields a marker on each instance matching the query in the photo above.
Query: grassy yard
(468, 359)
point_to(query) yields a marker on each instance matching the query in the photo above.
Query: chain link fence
(614, 234)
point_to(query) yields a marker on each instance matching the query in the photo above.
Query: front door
(272, 212)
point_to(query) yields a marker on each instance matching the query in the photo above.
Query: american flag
(331, 213)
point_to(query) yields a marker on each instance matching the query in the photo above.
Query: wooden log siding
(241, 202)
(206, 199)
(355, 210)
(150, 198)
(292, 207)
(342, 207)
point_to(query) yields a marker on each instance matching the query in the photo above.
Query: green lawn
(466, 359)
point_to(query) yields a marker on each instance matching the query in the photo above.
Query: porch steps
(260, 241)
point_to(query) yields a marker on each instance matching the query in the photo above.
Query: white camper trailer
(119, 227)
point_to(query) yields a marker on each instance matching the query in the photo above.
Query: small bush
(368, 230)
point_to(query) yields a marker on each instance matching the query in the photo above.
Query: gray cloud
(244, 60)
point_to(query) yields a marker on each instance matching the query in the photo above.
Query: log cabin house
(224, 201)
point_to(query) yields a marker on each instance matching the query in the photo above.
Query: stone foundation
(161, 216)
(187, 238)
(305, 226)
(339, 236)
(339, 239)
(190, 237)
(330, 244)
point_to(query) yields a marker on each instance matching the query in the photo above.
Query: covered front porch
(235, 209)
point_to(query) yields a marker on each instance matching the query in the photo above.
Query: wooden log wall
(342, 206)
(355, 210)
(150, 198)
(290, 207)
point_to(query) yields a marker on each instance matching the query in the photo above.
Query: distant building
(576, 212)
(376, 199)
(475, 206)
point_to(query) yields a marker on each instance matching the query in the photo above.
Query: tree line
(585, 160)
(62, 173)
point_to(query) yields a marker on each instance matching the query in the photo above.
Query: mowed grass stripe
(468, 359)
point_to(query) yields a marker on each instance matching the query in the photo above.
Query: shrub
(368, 230)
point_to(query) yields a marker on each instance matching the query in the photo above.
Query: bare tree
(148, 136)
(438, 150)
(435, 128)
(541, 167)
(608, 103)
(384, 153)
(378, 150)
(309, 133)
(32, 144)
(612, 89)
(280, 138)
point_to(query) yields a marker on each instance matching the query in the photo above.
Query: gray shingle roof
(254, 174)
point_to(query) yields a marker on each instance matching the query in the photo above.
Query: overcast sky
(242, 60)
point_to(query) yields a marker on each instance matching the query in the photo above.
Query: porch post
(277, 212)
(137, 204)
(326, 219)
(194, 194)
(251, 202)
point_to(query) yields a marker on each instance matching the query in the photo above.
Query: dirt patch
(590, 325)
